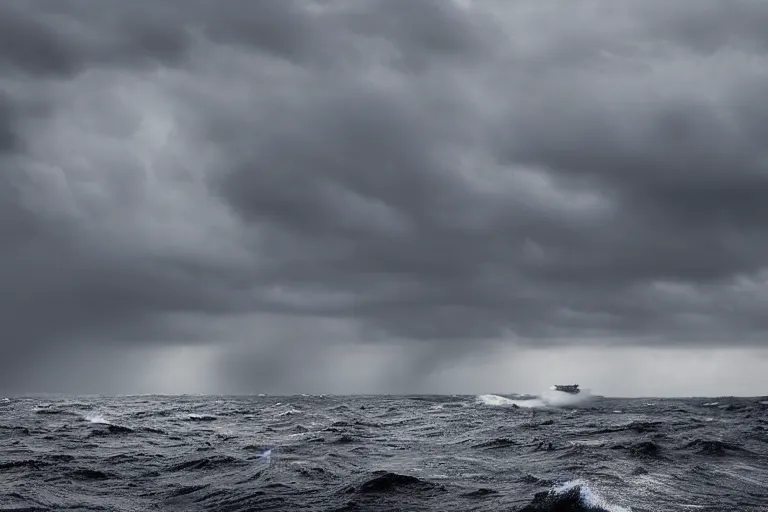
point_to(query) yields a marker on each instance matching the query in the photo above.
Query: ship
(567, 388)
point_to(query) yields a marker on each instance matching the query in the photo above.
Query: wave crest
(546, 399)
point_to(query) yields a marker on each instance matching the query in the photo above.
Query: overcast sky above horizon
(384, 196)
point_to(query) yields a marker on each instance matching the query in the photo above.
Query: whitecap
(201, 417)
(496, 400)
(546, 399)
(96, 418)
(589, 497)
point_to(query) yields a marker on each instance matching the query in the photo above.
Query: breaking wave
(548, 398)
(97, 419)
(588, 497)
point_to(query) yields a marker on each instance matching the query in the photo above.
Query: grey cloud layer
(416, 169)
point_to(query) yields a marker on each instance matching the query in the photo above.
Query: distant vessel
(567, 388)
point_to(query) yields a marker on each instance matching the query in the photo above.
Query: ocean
(552, 452)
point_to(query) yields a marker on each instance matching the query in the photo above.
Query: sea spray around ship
(548, 398)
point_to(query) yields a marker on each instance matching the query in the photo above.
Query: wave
(575, 496)
(397, 453)
(96, 419)
(588, 497)
(497, 400)
(102, 426)
(200, 417)
(546, 399)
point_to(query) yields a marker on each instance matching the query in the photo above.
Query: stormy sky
(384, 196)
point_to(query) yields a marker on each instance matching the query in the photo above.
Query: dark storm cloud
(709, 26)
(30, 45)
(418, 171)
(49, 39)
(8, 137)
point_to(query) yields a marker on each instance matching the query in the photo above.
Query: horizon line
(306, 395)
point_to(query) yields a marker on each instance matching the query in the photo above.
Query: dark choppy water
(462, 453)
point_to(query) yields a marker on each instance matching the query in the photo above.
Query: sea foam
(546, 399)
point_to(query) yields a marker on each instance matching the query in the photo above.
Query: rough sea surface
(555, 452)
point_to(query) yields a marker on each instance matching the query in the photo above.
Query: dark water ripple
(330, 453)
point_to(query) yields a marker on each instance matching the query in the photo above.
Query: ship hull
(573, 390)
